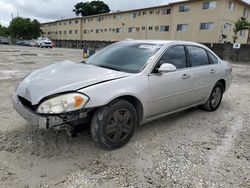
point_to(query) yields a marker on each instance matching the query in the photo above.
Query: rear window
(213, 59)
(198, 56)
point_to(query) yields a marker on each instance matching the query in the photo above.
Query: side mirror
(166, 67)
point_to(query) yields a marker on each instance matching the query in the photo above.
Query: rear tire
(215, 98)
(113, 125)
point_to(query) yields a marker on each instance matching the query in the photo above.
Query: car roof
(164, 42)
(169, 42)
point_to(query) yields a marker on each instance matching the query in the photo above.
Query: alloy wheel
(216, 97)
(119, 126)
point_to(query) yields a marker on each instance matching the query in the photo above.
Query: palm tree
(241, 24)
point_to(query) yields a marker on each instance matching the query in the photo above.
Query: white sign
(236, 46)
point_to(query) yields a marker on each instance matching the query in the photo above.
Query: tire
(215, 98)
(113, 125)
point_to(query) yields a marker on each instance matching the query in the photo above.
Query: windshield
(125, 56)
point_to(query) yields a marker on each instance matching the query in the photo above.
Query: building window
(133, 15)
(231, 5)
(69, 22)
(118, 30)
(99, 19)
(143, 28)
(65, 23)
(76, 31)
(65, 32)
(206, 26)
(184, 8)
(119, 17)
(70, 31)
(166, 11)
(76, 21)
(242, 33)
(246, 12)
(60, 32)
(182, 27)
(60, 23)
(131, 30)
(164, 28)
(97, 30)
(144, 13)
(151, 12)
(150, 28)
(227, 27)
(209, 5)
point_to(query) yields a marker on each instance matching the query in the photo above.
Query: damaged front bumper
(47, 121)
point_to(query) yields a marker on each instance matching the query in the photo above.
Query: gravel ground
(193, 148)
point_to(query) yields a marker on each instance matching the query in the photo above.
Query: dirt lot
(189, 149)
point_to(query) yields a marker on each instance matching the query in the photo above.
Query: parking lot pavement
(193, 148)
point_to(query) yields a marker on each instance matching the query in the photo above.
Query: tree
(4, 31)
(24, 28)
(91, 8)
(240, 25)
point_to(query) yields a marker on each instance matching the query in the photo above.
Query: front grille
(27, 103)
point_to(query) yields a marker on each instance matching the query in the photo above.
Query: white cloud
(48, 10)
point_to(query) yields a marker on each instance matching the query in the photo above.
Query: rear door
(202, 71)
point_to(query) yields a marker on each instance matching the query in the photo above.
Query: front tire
(215, 98)
(113, 125)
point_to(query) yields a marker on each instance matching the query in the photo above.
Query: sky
(50, 10)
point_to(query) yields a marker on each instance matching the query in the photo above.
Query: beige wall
(109, 23)
(231, 17)
(64, 30)
(194, 18)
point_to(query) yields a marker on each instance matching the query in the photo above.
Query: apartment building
(204, 21)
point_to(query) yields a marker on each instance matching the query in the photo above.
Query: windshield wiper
(107, 67)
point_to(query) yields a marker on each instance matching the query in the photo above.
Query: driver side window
(175, 56)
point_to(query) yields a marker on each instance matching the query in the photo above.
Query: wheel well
(223, 82)
(136, 103)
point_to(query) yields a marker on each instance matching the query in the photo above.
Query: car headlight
(63, 103)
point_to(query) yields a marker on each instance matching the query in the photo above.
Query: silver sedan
(125, 84)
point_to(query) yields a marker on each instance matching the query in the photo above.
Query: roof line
(139, 9)
(119, 12)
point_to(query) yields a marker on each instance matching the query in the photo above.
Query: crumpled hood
(62, 77)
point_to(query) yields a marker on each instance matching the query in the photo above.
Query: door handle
(185, 76)
(212, 71)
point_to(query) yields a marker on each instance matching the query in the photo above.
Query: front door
(172, 90)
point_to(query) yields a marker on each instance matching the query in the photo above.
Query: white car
(44, 42)
(126, 84)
